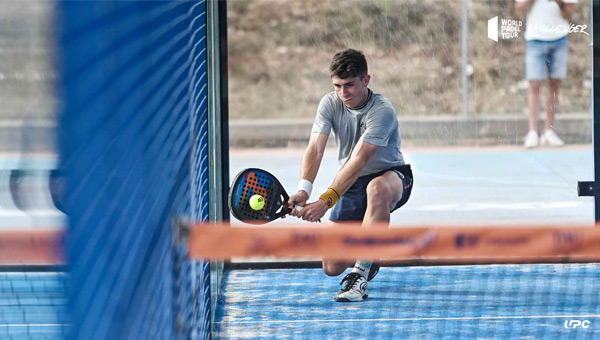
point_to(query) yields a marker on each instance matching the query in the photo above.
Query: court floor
(33, 306)
(464, 186)
(435, 302)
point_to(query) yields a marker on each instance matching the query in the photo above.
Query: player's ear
(366, 79)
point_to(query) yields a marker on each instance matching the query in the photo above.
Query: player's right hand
(300, 199)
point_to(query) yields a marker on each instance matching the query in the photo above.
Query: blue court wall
(133, 146)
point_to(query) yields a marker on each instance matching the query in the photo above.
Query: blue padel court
(33, 306)
(435, 302)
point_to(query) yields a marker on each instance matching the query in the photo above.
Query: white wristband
(306, 186)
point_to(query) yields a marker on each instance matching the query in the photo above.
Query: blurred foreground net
(476, 283)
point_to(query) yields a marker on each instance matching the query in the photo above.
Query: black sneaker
(374, 270)
(354, 290)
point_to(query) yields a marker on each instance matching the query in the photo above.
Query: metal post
(218, 130)
(596, 105)
(465, 57)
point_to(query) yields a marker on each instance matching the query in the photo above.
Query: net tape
(32, 247)
(427, 244)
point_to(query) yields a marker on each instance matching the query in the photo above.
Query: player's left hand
(313, 212)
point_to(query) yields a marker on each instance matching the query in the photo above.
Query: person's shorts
(547, 59)
(353, 203)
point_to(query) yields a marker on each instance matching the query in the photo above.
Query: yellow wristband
(330, 196)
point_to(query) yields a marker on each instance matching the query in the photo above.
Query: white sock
(362, 267)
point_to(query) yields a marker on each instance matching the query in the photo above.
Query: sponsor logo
(567, 239)
(304, 238)
(466, 240)
(577, 324)
(564, 29)
(508, 29)
(258, 244)
(507, 241)
(417, 242)
(360, 268)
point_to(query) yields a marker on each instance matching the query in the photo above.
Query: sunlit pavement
(464, 186)
(453, 186)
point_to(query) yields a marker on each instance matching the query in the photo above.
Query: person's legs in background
(557, 70)
(533, 100)
(536, 63)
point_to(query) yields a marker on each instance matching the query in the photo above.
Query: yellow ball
(257, 202)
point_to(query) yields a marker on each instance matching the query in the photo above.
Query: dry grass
(26, 72)
(279, 52)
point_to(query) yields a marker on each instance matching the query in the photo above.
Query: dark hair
(348, 64)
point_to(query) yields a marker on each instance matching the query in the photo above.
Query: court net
(435, 283)
(33, 300)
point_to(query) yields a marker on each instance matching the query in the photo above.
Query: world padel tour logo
(509, 29)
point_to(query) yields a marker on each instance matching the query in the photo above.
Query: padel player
(372, 180)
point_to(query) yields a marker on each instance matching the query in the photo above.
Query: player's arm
(347, 176)
(343, 181)
(311, 162)
(523, 7)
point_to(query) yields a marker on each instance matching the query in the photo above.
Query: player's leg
(335, 267)
(348, 211)
(383, 195)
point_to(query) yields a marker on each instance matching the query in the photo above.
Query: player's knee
(333, 269)
(329, 272)
(535, 86)
(378, 193)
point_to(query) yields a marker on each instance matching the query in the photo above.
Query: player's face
(352, 91)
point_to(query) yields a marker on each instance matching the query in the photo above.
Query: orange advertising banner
(430, 244)
(31, 247)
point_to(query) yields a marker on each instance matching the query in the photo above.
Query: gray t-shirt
(375, 123)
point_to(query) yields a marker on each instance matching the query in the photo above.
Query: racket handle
(299, 208)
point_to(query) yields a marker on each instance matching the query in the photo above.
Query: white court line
(501, 206)
(418, 319)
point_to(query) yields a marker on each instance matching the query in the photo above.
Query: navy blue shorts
(353, 203)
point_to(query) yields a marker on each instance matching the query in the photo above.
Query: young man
(545, 58)
(372, 180)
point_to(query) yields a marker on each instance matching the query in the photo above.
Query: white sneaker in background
(532, 140)
(550, 138)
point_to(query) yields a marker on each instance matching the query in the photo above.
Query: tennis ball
(257, 202)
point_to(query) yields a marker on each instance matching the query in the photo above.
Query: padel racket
(255, 181)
